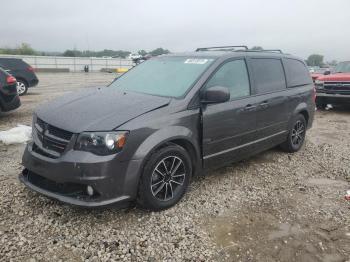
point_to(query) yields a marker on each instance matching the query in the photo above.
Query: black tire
(22, 87)
(320, 105)
(170, 188)
(296, 135)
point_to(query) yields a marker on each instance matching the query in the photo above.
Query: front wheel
(165, 178)
(22, 87)
(296, 135)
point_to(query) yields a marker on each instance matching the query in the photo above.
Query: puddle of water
(284, 231)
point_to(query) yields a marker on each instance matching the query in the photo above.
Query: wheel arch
(23, 80)
(303, 110)
(178, 135)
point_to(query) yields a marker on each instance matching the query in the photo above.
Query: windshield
(163, 76)
(343, 67)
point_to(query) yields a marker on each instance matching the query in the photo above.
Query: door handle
(249, 107)
(264, 105)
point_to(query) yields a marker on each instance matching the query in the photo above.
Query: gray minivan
(168, 119)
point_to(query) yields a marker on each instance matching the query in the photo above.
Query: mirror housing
(215, 94)
(327, 72)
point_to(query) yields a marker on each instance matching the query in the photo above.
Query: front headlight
(319, 82)
(101, 143)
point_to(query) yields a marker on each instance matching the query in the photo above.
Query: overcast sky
(300, 27)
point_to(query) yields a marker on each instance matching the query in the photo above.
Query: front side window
(234, 76)
(163, 76)
(268, 74)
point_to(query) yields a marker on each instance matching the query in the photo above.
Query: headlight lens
(318, 82)
(101, 143)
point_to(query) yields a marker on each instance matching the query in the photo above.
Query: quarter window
(234, 76)
(297, 73)
(268, 74)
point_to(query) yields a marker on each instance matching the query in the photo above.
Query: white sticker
(196, 61)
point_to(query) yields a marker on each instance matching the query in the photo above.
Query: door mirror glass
(215, 94)
(327, 72)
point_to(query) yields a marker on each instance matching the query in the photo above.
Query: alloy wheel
(21, 88)
(298, 133)
(168, 178)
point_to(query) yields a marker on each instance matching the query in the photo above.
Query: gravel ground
(272, 207)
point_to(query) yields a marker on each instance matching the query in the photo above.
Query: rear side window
(234, 76)
(297, 73)
(13, 63)
(268, 74)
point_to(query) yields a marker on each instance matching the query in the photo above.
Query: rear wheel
(165, 178)
(296, 135)
(22, 87)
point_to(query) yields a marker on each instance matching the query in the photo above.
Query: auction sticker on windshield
(196, 61)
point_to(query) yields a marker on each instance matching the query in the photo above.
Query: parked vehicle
(334, 88)
(172, 117)
(23, 72)
(9, 99)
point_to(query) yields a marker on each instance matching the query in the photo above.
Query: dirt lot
(272, 207)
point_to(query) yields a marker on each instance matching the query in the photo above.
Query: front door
(229, 127)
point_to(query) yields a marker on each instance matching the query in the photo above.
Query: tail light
(10, 80)
(30, 69)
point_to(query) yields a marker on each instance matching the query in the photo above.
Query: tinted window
(268, 75)
(12, 63)
(234, 76)
(297, 73)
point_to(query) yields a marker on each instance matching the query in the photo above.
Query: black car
(23, 72)
(9, 99)
(172, 117)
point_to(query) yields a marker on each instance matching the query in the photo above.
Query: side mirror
(215, 94)
(327, 72)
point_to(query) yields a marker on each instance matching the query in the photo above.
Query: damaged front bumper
(67, 178)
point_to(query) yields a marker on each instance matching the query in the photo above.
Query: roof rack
(221, 48)
(267, 50)
(232, 48)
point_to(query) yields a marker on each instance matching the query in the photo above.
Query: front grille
(337, 86)
(66, 189)
(54, 130)
(53, 140)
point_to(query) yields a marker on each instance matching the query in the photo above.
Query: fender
(165, 135)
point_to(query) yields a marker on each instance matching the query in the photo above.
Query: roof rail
(264, 50)
(221, 48)
(272, 50)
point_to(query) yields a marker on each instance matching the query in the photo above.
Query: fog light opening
(90, 190)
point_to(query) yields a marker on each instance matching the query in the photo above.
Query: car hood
(335, 77)
(98, 109)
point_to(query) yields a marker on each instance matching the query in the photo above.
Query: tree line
(26, 49)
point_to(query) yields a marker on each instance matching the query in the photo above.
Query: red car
(334, 88)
